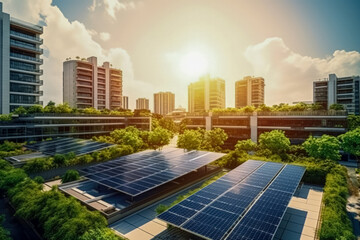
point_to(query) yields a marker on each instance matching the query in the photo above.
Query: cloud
(105, 36)
(112, 6)
(92, 6)
(62, 39)
(289, 75)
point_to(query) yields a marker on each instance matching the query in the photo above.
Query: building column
(253, 127)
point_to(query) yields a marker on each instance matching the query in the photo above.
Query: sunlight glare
(194, 64)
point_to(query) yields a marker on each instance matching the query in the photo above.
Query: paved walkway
(301, 218)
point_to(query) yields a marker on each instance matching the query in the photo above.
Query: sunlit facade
(142, 103)
(20, 63)
(164, 102)
(206, 94)
(85, 84)
(249, 92)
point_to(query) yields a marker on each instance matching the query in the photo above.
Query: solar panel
(218, 209)
(136, 174)
(66, 145)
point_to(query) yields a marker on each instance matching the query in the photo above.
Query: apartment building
(344, 91)
(206, 94)
(142, 103)
(20, 63)
(164, 102)
(125, 102)
(249, 92)
(85, 84)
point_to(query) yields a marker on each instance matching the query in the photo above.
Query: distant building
(85, 84)
(125, 102)
(344, 91)
(177, 115)
(164, 102)
(20, 63)
(249, 92)
(206, 94)
(142, 103)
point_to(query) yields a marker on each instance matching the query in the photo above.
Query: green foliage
(325, 147)
(159, 137)
(91, 110)
(353, 121)
(233, 159)
(39, 179)
(350, 142)
(10, 146)
(336, 106)
(35, 109)
(5, 117)
(4, 234)
(190, 140)
(70, 175)
(214, 139)
(38, 165)
(20, 110)
(335, 221)
(275, 141)
(57, 216)
(245, 146)
(127, 137)
(59, 159)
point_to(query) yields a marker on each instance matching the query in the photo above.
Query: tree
(350, 142)
(159, 137)
(63, 108)
(35, 109)
(70, 175)
(263, 108)
(59, 159)
(213, 139)
(275, 141)
(245, 146)
(189, 140)
(91, 110)
(50, 107)
(100, 234)
(20, 111)
(325, 147)
(129, 136)
(353, 121)
(336, 106)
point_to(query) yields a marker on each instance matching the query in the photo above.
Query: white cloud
(289, 75)
(112, 6)
(105, 36)
(92, 6)
(63, 39)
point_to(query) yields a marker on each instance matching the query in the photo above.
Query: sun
(194, 64)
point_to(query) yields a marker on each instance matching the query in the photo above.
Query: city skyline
(162, 61)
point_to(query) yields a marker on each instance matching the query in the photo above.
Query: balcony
(85, 96)
(36, 82)
(24, 46)
(23, 36)
(26, 70)
(17, 56)
(35, 93)
(84, 90)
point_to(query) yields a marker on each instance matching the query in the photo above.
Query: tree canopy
(190, 140)
(325, 147)
(350, 142)
(275, 141)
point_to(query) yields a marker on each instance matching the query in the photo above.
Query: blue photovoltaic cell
(138, 173)
(219, 209)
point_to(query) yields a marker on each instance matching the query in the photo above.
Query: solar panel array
(138, 173)
(66, 145)
(256, 193)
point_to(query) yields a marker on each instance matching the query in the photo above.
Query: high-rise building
(164, 102)
(125, 102)
(85, 84)
(249, 92)
(206, 94)
(344, 91)
(20, 63)
(142, 103)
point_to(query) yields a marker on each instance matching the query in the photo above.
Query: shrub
(70, 175)
(39, 179)
(4, 234)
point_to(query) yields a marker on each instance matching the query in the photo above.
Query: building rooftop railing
(71, 115)
(273, 113)
(26, 24)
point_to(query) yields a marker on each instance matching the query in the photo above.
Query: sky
(163, 45)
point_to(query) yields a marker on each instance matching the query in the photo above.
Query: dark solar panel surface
(136, 174)
(66, 145)
(214, 211)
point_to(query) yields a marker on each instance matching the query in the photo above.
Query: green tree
(20, 111)
(59, 159)
(70, 175)
(12, 177)
(159, 137)
(91, 110)
(129, 136)
(190, 140)
(353, 121)
(245, 146)
(50, 107)
(35, 109)
(100, 234)
(213, 139)
(350, 142)
(263, 108)
(63, 108)
(336, 106)
(275, 141)
(325, 147)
